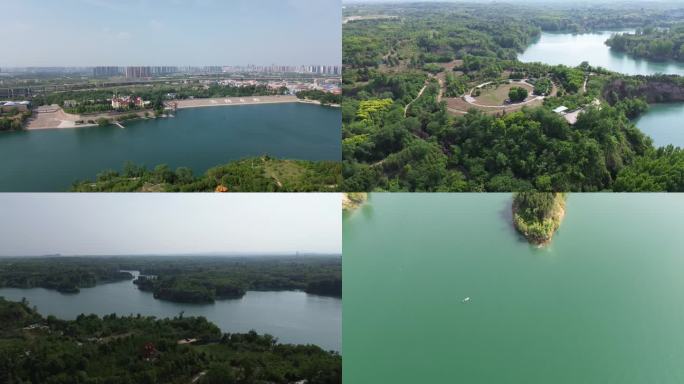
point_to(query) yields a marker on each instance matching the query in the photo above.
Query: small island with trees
(537, 215)
(66, 276)
(353, 200)
(195, 279)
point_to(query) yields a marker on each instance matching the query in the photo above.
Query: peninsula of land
(353, 200)
(537, 215)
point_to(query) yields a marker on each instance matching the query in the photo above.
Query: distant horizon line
(208, 254)
(174, 65)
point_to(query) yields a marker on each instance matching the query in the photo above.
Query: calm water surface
(664, 123)
(199, 138)
(293, 317)
(604, 303)
(572, 50)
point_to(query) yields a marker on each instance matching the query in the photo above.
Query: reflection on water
(572, 50)
(291, 316)
(663, 123)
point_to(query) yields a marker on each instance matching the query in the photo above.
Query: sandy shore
(54, 117)
(230, 101)
(50, 118)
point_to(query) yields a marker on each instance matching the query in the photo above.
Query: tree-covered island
(537, 215)
(66, 275)
(194, 279)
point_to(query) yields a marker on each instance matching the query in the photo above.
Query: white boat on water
(466, 300)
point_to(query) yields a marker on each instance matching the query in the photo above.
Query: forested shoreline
(194, 279)
(66, 276)
(256, 174)
(405, 79)
(660, 44)
(140, 349)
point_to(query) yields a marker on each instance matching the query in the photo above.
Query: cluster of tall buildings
(323, 69)
(135, 72)
(139, 72)
(314, 69)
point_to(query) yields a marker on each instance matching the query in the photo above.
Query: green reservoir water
(572, 50)
(199, 138)
(604, 303)
(292, 317)
(664, 123)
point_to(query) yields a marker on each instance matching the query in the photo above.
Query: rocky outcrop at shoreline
(353, 200)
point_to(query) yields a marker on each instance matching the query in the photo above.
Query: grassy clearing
(494, 94)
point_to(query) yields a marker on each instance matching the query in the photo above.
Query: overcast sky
(119, 224)
(507, 1)
(170, 32)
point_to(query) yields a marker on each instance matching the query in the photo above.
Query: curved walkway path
(417, 97)
(472, 101)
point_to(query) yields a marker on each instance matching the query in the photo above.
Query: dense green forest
(209, 279)
(262, 174)
(651, 43)
(64, 275)
(537, 215)
(401, 133)
(146, 350)
(181, 279)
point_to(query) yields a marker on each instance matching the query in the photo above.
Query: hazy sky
(170, 32)
(133, 223)
(507, 1)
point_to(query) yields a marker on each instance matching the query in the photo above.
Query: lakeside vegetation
(207, 280)
(408, 126)
(65, 275)
(326, 98)
(659, 44)
(138, 349)
(257, 174)
(195, 279)
(537, 215)
(13, 120)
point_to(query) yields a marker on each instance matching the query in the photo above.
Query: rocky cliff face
(654, 90)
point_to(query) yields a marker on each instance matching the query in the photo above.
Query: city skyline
(89, 33)
(245, 66)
